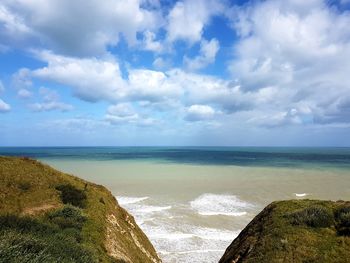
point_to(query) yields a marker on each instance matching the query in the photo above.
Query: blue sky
(191, 72)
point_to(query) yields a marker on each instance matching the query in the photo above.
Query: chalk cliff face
(46, 215)
(295, 231)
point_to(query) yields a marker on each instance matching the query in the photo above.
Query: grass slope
(49, 216)
(295, 231)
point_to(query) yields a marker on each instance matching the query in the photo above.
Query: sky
(190, 72)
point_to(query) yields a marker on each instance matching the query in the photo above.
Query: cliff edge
(295, 231)
(50, 216)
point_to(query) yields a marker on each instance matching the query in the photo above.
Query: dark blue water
(242, 156)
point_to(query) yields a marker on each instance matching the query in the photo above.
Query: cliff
(49, 216)
(295, 231)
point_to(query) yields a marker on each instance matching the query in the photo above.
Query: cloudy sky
(190, 72)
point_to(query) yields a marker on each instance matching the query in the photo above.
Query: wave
(214, 204)
(171, 236)
(301, 195)
(222, 213)
(192, 232)
(151, 209)
(200, 251)
(125, 200)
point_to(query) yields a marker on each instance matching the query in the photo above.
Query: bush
(23, 239)
(342, 217)
(72, 195)
(26, 225)
(68, 217)
(24, 186)
(314, 216)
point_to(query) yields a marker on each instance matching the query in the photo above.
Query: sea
(193, 201)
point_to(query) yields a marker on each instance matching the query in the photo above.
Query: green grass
(296, 231)
(313, 216)
(60, 214)
(24, 239)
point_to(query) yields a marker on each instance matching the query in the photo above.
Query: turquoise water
(241, 156)
(193, 201)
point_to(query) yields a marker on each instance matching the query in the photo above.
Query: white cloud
(200, 113)
(152, 85)
(124, 113)
(24, 93)
(150, 43)
(51, 101)
(4, 107)
(188, 18)
(161, 63)
(91, 79)
(76, 27)
(301, 50)
(207, 54)
(22, 79)
(50, 106)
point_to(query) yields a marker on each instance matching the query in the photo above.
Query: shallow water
(191, 213)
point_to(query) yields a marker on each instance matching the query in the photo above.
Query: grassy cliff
(295, 231)
(49, 216)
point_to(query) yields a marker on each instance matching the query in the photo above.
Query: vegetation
(49, 216)
(71, 195)
(342, 217)
(295, 231)
(24, 239)
(313, 216)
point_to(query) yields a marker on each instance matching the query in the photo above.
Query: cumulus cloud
(51, 101)
(187, 19)
(24, 94)
(4, 107)
(207, 54)
(91, 79)
(150, 43)
(299, 48)
(124, 113)
(161, 63)
(76, 27)
(200, 113)
(287, 56)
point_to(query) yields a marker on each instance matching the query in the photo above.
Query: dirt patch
(38, 209)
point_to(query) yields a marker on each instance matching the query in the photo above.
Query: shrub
(68, 217)
(72, 195)
(342, 217)
(24, 186)
(314, 216)
(26, 225)
(23, 239)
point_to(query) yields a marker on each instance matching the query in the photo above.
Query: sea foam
(301, 195)
(214, 204)
(125, 200)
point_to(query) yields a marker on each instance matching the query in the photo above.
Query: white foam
(214, 204)
(125, 200)
(191, 251)
(171, 236)
(301, 195)
(151, 209)
(222, 213)
(215, 234)
(204, 233)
